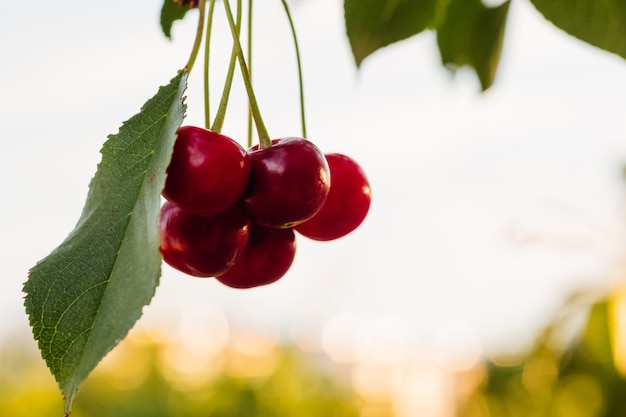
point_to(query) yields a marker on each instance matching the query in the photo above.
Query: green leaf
(374, 24)
(472, 34)
(601, 23)
(596, 341)
(88, 293)
(171, 12)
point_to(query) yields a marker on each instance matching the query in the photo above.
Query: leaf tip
(358, 61)
(68, 400)
(171, 12)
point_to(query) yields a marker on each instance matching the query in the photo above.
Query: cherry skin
(289, 182)
(202, 246)
(347, 203)
(266, 258)
(208, 172)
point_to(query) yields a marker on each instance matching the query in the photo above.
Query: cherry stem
(198, 40)
(221, 111)
(207, 47)
(249, 45)
(300, 78)
(264, 138)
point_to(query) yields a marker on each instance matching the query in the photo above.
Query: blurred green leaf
(171, 12)
(596, 340)
(374, 24)
(84, 297)
(471, 33)
(601, 23)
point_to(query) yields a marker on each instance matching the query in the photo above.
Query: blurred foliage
(577, 368)
(582, 378)
(144, 377)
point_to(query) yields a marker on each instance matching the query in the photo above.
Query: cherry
(289, 182)
(202, 246)
(347, 203)
(208, 172)
(266, 258)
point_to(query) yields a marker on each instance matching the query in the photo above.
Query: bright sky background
(487, 209)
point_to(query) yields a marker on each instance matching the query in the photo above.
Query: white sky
(487, 208)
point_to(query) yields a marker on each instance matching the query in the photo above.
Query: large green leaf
(88, 293)
(171, 12)
(374, 24)
(472, 34)
(599, 22)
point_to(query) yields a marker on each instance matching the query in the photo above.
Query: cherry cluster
(231, 213)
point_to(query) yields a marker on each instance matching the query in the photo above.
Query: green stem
(207, 47)
(264, 137)
(300, 80)
(198, 40)
(221, 111)
(249, 45)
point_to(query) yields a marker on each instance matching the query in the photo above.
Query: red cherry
(347, 203)
(266, 258)
(208, 172)
(289, 183)
(202, 246)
